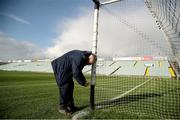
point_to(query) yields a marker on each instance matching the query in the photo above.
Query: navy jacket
(70, 65)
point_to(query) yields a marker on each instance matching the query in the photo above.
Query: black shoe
(71, 109)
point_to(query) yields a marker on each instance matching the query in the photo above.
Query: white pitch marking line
(130, 90)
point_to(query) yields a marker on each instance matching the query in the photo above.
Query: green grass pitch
(35, 95)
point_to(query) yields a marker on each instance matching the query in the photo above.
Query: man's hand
(86, 84)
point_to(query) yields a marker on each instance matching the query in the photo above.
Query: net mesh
(134, 70)
(167, 14)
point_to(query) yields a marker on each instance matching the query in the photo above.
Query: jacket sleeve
(77, 73)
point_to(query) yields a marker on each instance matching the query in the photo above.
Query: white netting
(134, 70)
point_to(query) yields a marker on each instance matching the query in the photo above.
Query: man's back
(65, 67)
(70, 64)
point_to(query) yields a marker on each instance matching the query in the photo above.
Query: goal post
(94, 50)
(94, 46)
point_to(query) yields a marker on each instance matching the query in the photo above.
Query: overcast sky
(49, 28)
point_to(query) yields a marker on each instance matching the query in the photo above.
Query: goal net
(137, 67)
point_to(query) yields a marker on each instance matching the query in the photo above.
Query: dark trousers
(66, 94)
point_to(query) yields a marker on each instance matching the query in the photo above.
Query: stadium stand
(106, 67)
(33, 66)
(127, 68)
(160, 70)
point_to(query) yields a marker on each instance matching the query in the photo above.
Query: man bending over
(65, 68)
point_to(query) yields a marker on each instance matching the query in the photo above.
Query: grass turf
(35, 95)
(157, 98)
